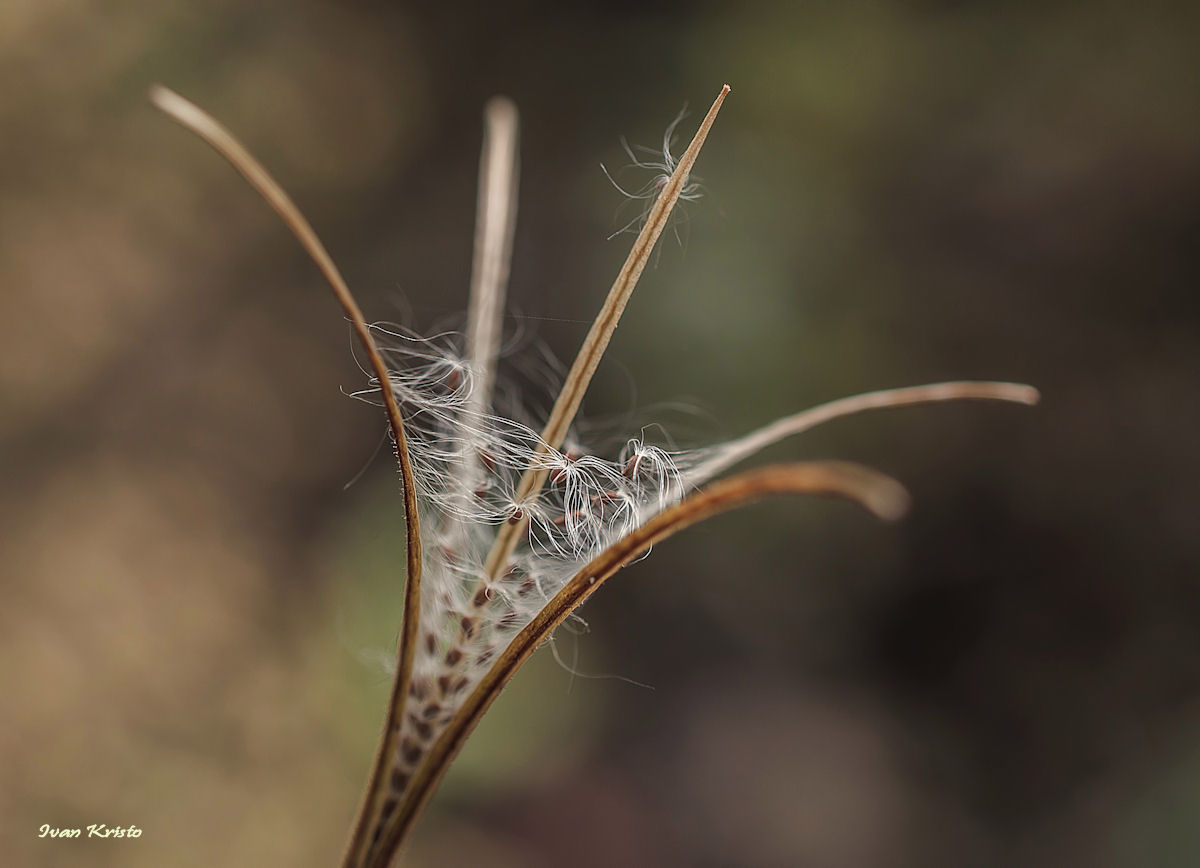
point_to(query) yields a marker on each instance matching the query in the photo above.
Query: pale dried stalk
(203, 125)
(495, 222)
(736, 451)
(496, 211)
(878, 493)
(596, 342)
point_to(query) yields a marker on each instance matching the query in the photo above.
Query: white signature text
(96, 830)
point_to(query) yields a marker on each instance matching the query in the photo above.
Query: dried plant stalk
(203, 125)
(495, 223)
(736, 451)
(623, 507)
(596, 342)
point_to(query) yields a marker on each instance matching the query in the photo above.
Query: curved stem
(735, 451)
(195, 119)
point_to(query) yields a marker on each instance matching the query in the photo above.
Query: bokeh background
(198, 610)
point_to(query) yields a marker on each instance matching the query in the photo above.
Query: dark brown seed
(606, 497)
(453, 656)
(411, 751)
(419, 689)
(481, 596)
(431, 710)
(399, 779)
(562, 520)
(515, 515)
(430, 642)
(469, 625)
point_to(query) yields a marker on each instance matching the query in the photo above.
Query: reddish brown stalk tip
(886, 498)
(1025, 394)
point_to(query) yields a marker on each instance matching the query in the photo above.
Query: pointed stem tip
(199, 122)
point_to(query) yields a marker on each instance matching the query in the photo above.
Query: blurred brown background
(195, 607)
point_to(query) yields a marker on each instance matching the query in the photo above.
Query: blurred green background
(197, 611)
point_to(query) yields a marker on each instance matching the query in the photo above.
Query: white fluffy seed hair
(588, 502)
(653, 168)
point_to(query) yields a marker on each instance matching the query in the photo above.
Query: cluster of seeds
(467, 465)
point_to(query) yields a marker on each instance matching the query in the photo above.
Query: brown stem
(207, 128)
(596, 342)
